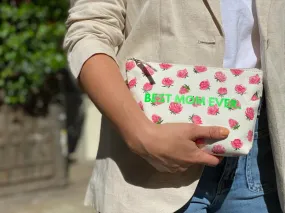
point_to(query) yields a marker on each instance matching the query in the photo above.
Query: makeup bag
(206, 96)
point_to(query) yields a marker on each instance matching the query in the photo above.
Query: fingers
(207, 159)
(209, 132)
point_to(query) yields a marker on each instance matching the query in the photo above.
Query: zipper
(140, 64)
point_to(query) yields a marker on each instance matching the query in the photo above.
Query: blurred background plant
(32, 58)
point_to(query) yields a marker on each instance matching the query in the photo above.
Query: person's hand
(171, 147)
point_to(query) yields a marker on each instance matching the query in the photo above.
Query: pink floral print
(147, 87)
(205, 85)
(250, 135)
(141, 105)
(165, 66)
(167, 82)
(182, 73)
(249, 113)
(254, 79)
(233, 124)
(196, 119)
(132, 83)
(156, 119)
(255, 97)
(237, 144)
(157, 102)
(222, 91)
(237, 72)
(240, 89)
(130, 65)
(175, 108)
(218, 149)
(213, 110)
(220, 76)
(199, 69)
(184, 89)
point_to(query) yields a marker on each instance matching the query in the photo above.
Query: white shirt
(240, 27)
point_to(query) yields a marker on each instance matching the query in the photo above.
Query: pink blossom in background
(250, 135)
(213, 110)
(237, 144)
(182, 73)
(196, 119)
(205, 85)
(218, 149)
(240, 89)
(254, 79)
(165, 66)
(222, 91)
(233, 124)
(220, 76)
(167, 82)
(147, 87)
(175, 108)
(130, 65)
(156, 119)
(237, 72)
(199, 69)
(132, 83)
(141, 105)
(184, 89)
(249, 113)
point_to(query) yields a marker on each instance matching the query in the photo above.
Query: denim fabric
(245, 184)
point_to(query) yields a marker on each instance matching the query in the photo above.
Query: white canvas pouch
(207, 96)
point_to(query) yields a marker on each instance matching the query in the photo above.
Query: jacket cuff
(83, 50)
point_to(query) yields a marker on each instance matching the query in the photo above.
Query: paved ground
(67, 200)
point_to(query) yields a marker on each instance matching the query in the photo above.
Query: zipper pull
(141, 65)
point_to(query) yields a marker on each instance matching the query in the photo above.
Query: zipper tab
(141, 65)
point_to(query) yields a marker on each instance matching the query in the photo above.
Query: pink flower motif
(132, 83)
(147, 87)
(255, 97)
(182, 73)
(237, 144)
(184, 89)
(141, 105)
(218, 149)
(249, 113)
(165, 66)
(240, 89)
(254, 79)
(167, 82)
(199, 69)
(156, 119)
(196, 119)
(130, 65)
(222, 91)
(234, 124)
(205, 85)
(237, 72)
(220, 77)
(250, 135)
(157, 102)
(175, 108)
(213, 110)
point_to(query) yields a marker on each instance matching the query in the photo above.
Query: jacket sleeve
(93, 26)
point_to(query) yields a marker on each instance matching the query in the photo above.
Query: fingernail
(224, 132)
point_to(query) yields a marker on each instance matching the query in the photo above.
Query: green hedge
(31, 39)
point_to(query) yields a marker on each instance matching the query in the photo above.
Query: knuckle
(213, 132)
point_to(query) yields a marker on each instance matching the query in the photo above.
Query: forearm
(102, 81)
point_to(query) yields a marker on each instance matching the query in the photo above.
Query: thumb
(210, 132)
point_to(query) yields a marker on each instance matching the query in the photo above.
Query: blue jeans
(240, 185)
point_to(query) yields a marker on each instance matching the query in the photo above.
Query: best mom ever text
(188, 99)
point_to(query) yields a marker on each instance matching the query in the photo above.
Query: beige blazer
(177, 31)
